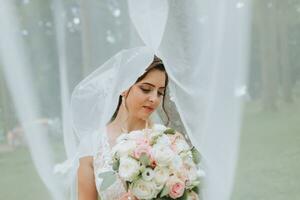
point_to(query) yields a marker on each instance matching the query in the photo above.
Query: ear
(124, 93)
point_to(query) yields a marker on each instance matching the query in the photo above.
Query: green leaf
(196, 155)
(154, 139)
(169, 131)
(163, 198)
(196, 189)
(144, 159)
(108, 177)
(116, 164)
(184, 196)
(164, 191)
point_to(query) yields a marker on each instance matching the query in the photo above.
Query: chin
(144, 116)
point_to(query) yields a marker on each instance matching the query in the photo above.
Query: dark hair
(156, 64)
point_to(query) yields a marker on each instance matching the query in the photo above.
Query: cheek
(140, 98)
(137, 99)
(160, 100)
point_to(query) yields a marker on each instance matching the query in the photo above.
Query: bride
(135, 106)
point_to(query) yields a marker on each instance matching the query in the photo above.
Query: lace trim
(102, 163)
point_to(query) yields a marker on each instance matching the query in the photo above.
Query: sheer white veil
(95, 98)
(198, 79)
(203, 45)
(48, 47)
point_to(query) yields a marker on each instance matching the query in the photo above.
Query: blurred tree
(266, 27)
(104, 31)
(38, 32)
(283, 22)
(274, 54)
(7, 116)
(85, 36)
(3, 104)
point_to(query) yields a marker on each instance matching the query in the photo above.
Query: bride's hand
(128, 196)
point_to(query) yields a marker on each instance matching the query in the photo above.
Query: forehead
(155, 77)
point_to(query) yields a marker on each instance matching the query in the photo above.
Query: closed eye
(161, 93)
(145, 90)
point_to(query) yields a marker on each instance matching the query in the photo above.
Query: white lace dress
(99, 148)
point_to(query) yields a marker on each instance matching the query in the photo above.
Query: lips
(148, 108)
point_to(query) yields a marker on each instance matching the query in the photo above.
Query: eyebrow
(152, 85)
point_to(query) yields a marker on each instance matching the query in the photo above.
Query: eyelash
(147, 91)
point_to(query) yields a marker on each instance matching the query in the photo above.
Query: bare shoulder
(86, 180)
(85, 169)
(86, 161)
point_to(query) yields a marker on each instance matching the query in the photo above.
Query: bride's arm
(86, 179)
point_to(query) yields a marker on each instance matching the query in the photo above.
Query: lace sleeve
(108, 184)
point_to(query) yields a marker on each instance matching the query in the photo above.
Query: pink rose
(142, 149)
(174, 147)
(176, 187)
(183, 174)
(142, 141)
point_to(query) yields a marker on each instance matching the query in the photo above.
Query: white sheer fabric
(203, 48)
(95, 98)
(47, 47)
(197, 78)
(102, 163)
(99, 149)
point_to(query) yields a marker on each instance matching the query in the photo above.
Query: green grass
(268, 165)
(269, 160)
(18, 178)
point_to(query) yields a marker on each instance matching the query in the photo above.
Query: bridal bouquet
(157, 163)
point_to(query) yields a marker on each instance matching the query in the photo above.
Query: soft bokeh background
(269, 156)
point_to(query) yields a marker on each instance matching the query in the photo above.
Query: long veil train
(204, 49)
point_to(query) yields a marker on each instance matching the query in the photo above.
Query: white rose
(188, 159)
(129, 168)
(176, 162)
(181, 145)
(155, 134)
(163, 140)
(162, 154)
(193, 177)
(193, 174)
(144, 189)
(186, 154)
(123, 136)
(159, 127)
(124, 148)
(161, 175)
(133, 135)
(192, 196)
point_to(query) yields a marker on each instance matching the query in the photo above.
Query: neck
(128, 123)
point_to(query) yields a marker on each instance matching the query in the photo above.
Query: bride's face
(146, 95)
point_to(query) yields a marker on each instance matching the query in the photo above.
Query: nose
(153, 97)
